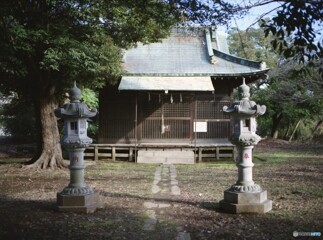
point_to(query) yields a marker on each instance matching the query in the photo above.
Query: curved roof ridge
(239, 60)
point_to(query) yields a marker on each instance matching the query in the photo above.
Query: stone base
(166, 156)
(245, 202)
(87, 203)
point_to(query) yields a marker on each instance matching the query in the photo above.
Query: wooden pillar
(200, 154)
(113, 153)
(130, 154)
(96, 153)
(217, 150)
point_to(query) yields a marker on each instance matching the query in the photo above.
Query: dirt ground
(291, 173)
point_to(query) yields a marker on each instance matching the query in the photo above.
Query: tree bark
(276, 120)
(294, 131)
(318, 125)
(287, 131)
(49, 154)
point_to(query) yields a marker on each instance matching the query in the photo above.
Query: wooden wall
(127, 116)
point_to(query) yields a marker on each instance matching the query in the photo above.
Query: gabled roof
(189, 52)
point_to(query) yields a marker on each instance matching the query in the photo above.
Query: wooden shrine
(172, 94)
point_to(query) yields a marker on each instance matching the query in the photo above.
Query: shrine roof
(189, 52)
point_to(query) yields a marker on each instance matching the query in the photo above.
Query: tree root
(47, 161)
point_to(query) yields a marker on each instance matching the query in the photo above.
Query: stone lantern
(245, 196)
(76, 197)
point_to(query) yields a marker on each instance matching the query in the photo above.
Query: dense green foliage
(17, 119)
(293, 98)
(296, 26)
(294, 29)
(55, 42)
(45, 45)
(252, 44)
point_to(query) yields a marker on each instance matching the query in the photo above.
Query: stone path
(165, 186)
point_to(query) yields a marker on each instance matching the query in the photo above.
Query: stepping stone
(176, 190)
(150, 205)
(163, 205)
(183, 236)
(150, 223)
(155, 189)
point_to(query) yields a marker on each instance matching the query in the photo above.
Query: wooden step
(166, 156)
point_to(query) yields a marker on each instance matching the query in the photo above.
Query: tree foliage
(17, 119)
(254, 45)
(45, 45)
(290, 95)
(296, 27)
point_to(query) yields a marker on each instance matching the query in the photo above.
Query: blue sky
(253, 16)
(256, 12)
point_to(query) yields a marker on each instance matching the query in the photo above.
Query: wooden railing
(114, 152)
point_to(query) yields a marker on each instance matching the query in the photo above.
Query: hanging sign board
(200, 126)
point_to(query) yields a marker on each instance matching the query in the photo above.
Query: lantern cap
(244, 90)
(244, 107)
(75, 93)
(75, 109)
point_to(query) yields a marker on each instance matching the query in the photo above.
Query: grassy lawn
(292, 177)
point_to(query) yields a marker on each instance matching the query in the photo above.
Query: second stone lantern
(76, 197)
(245, 196)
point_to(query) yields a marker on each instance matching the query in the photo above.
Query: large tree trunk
(276, 120)
(49, 154)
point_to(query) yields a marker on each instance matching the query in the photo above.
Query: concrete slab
(245, 202)
(245, 197)
(150, 205)
(183, 236)
(176, 190)
(166, 157)
(77, 203)
(173, 182)
(261, 208)
(163, 205)
(150, 222)
(155, 189)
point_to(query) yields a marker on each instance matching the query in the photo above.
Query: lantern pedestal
(77, 203)
(245, 202)
(245, 196)
(76, 197)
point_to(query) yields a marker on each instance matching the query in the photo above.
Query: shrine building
(171, 96)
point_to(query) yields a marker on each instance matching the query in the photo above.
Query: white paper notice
(200, 126)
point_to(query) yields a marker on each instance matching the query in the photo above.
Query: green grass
(293, 180)
(221, 164)
(13, 160)
(280, 157)
(106, 223)
(285, 214)
(275, 158)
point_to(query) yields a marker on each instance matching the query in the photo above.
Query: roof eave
(210, 74)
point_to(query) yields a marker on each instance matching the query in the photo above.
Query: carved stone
(80, 203)
(76, 197)
(245, 196)
(77, 191)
